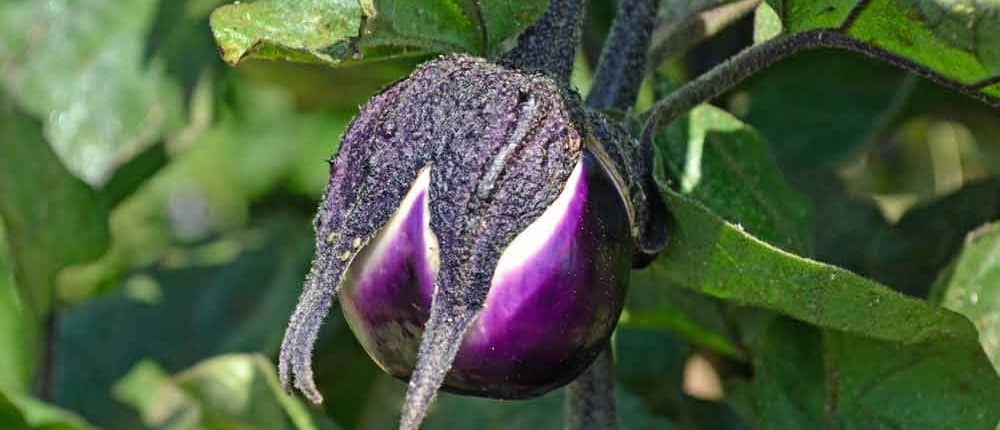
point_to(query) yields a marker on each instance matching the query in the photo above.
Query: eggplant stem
(549, 45)
(623, 59)
(590, 399)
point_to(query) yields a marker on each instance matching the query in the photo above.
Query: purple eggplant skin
(554, 300)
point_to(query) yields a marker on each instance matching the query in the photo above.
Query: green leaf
(860, 99)
(971, 286)
(334, 31)
(230, 391)
(805, 377)
(712, 256)
(724, 164)
(952, 39)
(52, 219)
(22, 412)
(80, 65)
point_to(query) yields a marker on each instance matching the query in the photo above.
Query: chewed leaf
(958, 40)
(307, 30)
(333, 31)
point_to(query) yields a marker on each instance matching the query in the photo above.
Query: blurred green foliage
(829, 246)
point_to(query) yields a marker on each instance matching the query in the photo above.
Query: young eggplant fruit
(479, 226)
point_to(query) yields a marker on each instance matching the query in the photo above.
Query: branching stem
(623, 61)
(755, 58)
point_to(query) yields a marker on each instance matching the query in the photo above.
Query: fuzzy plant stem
(727, 75)
(550, 44)
(623, 60)
(590, 400)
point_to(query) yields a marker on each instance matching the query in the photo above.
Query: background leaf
(333, 31)
(228, 295)
(52, 219)
(229, 391)
(81, 66)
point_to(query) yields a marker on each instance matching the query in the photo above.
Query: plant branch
(755, 58)
(623, 60)
(590, 399)
(550, 44)
(669, 41)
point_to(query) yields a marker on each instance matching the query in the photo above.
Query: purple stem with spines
(590, 400)
(623, 61)
(550, 44)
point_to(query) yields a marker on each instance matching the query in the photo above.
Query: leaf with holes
(334, 31)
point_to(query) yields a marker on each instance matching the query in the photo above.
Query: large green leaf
(955, 40)
(971, 286)
(52, 219)
(810, 378)
(333, 31)
(225, 392)
(712, 256)
(81, 66)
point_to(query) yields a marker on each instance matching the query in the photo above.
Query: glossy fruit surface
(555, 296)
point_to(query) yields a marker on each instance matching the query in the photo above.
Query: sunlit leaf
(334, 31)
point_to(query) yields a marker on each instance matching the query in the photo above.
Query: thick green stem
(727, 75)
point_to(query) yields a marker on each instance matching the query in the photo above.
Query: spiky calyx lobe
(499, 143)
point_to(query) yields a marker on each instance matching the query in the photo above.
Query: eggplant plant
(512, 231)
(481, 220)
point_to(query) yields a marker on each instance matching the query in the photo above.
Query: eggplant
(480, 224)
